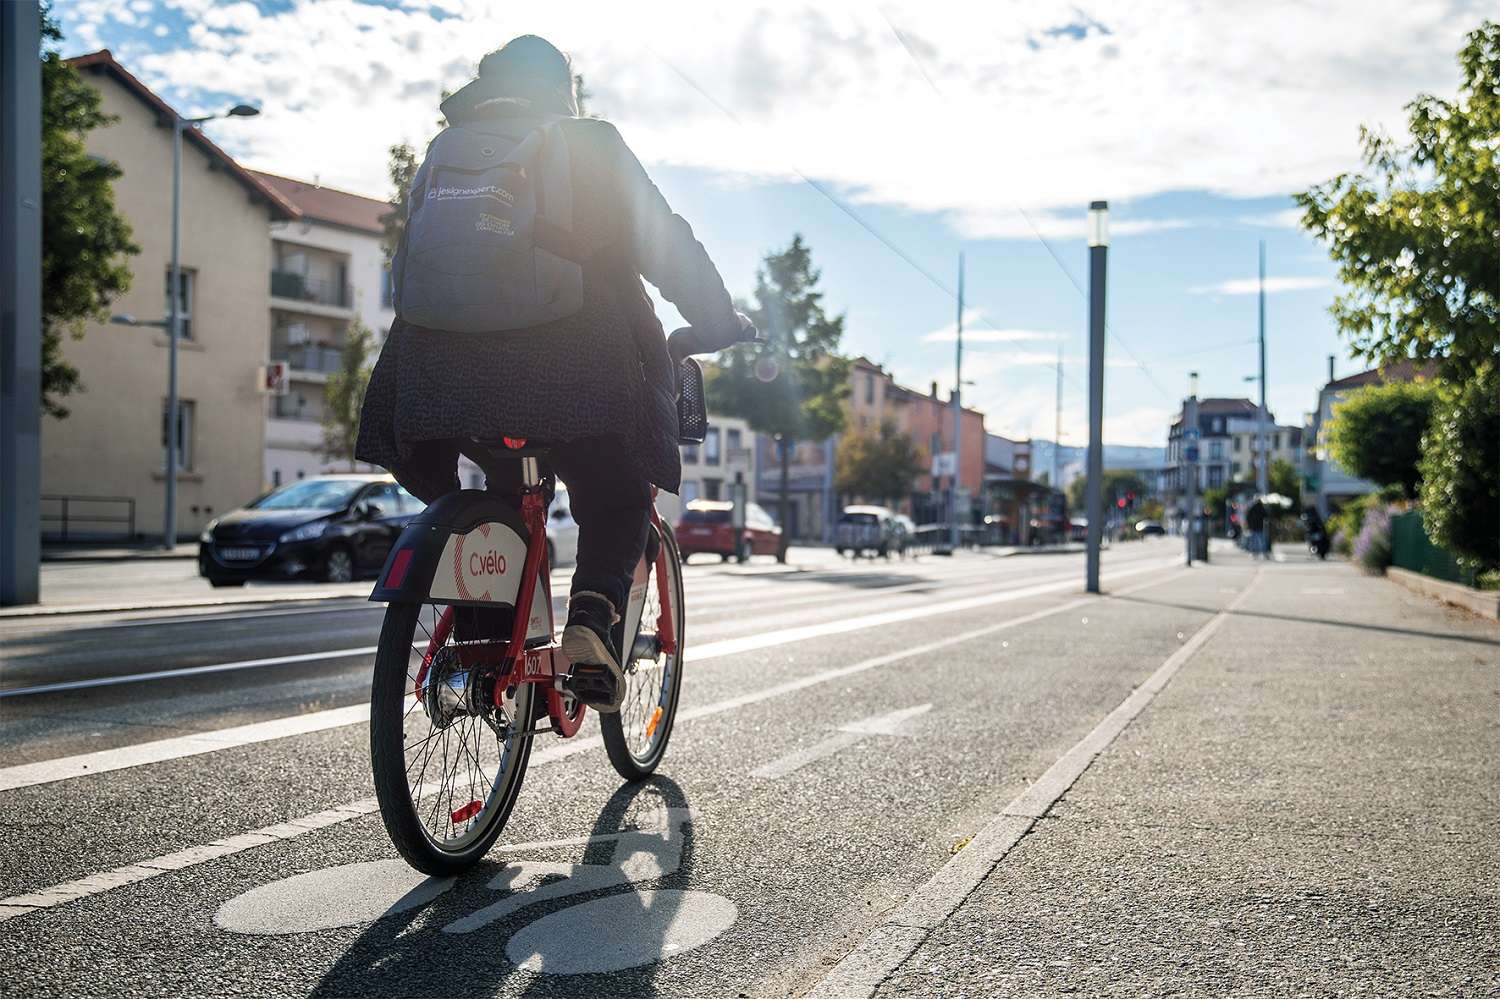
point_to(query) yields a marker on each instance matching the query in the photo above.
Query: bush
(1377, 431)
(1372, 549)
(1344, 526)
(1461, 471)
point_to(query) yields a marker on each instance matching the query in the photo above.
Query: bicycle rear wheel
(636, 736)
(448, 763)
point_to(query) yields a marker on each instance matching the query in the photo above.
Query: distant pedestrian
(1255, 522)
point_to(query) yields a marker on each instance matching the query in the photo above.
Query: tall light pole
(174, 315)
(1188, 442)
(1263, 467)
(20, 303)
(1057, 427)
(1094, 504)
(958, 411)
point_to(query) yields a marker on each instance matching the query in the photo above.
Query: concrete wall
(111, 444)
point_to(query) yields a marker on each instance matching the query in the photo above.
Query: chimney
(1330, 367)
(934, 388)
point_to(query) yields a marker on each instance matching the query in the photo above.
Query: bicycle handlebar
(689, 340)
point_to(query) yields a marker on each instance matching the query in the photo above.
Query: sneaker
(597, 679)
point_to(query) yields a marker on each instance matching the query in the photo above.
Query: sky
(896, 136)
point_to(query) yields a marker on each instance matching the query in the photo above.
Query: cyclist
(597, 387)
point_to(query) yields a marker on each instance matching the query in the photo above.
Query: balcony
(311, 358)
(289, 286)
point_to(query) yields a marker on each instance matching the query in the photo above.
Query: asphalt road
(853, 727)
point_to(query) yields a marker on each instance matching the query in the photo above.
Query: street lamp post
(954, 536)
(1094, 497)
(174, 316)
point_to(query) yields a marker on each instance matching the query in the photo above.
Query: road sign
(1191, 435)
(1192, 452)
(943, 463)
(276, 378)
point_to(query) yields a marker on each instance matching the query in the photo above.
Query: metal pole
(1190, 466)
(1057, 428)
(20, 303)
(1094, 504)
(1263, 470)
(958, 412)
(174, 333)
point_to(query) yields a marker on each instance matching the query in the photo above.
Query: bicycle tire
(389, 717)
(629, 764)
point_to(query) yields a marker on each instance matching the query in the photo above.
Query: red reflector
(399, 565)
(467, 812)
(514, 443)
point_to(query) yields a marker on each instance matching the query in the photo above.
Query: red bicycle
(465, 678)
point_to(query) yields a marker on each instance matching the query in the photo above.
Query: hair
(533, 68)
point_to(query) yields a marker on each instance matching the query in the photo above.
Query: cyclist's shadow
(457, 944)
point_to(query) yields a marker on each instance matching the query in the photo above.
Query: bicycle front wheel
(636, 736)
(448, 762)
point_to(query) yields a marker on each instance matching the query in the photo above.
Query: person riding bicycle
(597, 386)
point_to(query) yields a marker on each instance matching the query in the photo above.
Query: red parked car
(705, 527)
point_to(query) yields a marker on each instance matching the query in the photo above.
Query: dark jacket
(603, 371)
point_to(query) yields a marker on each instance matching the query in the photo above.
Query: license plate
(702, 531)
(239, 554)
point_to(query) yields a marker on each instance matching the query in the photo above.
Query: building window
(869, 388)
(711, 446)
(1276, 442)
(736, 441)
(1218, 424)
(386, 288)
(275, 477)
(1237, 442)
(1236, 468)
(184, 433)
(689, 491)
(1216, 451)
(711, 489)
(690, 454)
(1215, 476)
(184, 300)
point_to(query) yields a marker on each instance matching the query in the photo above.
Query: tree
(1377, 431)
(1415, 238)
(1286, 480)
(85, 241)
(403, 169)
(1460, 490)
(791, 385)
(345, 395)
(880, 466)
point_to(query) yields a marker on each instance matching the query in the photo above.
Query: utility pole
(1263, 469)
(1057, 427)
(20, 302)
(958, 412)
(1094, 505)
(1189, 444)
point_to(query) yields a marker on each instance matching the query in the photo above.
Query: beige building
(110, 450)
(327, 270)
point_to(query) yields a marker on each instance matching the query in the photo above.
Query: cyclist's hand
(748, 332)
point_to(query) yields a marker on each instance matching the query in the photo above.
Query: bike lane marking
(95, 884)
(894, 723)
(861, 972)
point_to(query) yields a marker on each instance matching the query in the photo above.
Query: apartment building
(327, 269)
(710, 470)
(105, 462)
(1215, 445)
(1283, 443)
(1328, 484)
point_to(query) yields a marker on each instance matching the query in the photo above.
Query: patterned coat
(603, 371)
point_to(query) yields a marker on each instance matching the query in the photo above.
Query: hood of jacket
(495, 97)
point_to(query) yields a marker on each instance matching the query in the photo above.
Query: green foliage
(1344, 525)
(1377, 431)
(1415, 238)
(1286, 480)
(403, 170)
(1117, 483)
(345, 395)
(793, 382)
(880, 467)
(1461, 470)
(85, 241)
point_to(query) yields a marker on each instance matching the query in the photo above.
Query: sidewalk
(1308, 806)
(114, 553)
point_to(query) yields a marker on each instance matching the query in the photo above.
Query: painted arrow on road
(844, 737)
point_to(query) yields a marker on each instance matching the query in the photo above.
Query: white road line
(842, 738)
(95, 884)
(864, 970)
(163, 674)
(710, 650)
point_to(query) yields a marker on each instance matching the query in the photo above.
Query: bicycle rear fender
(467, 549)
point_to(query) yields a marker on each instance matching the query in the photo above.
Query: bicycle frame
(543, 665)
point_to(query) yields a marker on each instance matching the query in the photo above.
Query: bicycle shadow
(457, 944)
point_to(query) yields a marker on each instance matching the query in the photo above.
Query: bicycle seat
(508, 448)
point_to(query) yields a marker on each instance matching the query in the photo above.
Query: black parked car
(332, 527)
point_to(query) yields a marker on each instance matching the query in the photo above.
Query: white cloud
(975, 332)
(1249, 286)
(1176, 95)
(1290, 218)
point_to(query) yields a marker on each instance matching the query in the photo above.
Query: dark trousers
(609, 497)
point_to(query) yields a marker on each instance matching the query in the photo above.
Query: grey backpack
(489, 242)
